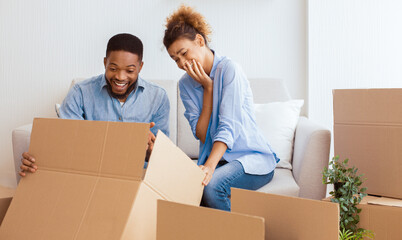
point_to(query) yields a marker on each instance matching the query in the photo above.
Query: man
(117, 95)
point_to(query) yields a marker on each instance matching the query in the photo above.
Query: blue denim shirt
(90, 100)
(232, 119)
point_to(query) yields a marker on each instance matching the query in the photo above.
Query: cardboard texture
(383, 201)
(289, 217)
(180, 221)
(385, 221)
(89, 183)
(368, 131)
(6, 195)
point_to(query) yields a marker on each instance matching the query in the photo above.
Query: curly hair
(185, 22)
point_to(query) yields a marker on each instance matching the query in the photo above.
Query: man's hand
(27, 164)
(151, 140)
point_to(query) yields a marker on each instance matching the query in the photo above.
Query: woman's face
(185, 50)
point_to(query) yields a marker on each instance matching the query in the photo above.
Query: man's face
(121, 71)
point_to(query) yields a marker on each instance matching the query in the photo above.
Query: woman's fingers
(208, 175)
(206, 179)
(203, 74)
(189, 69)
(196, 68)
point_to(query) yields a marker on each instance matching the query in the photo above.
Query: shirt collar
(217, 59)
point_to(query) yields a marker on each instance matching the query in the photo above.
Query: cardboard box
(181, 221)
(6, 195)
(384, 221)
(89, 183)
(289, 217)
(368, 131)
(381, 216)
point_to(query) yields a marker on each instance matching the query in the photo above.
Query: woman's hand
(27, 164)
(209, 171)
(196, 72)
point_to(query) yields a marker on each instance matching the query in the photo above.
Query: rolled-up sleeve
(192, 112)
(72, 106)
(161, 117)
(230, 117)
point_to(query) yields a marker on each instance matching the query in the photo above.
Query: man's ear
(104, 61)
(142, 63)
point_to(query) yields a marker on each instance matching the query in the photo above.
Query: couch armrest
(21, 138)
(310, 156)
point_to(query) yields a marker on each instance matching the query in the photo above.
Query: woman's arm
(196, 72)
(203, 121)
(218, 149)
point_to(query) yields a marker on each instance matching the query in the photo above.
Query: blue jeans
(217, 192)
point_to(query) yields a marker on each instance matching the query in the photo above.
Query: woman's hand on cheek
(196, 71)
(208, 174)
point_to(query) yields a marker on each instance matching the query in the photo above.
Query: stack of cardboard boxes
(368, 131)
(90, 185)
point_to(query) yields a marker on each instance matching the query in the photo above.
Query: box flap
(368, 106)
(173, 174)
(392, 202)
(58, 205)
(142, 221)
(6, 195)
(90, 147)
(289, 217)
(6, 192)
(180, 221)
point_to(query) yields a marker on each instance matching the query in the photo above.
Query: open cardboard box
(368, 131)
(289, 217)
(182, 221)
(89, 183)
(6, 195)
(382, 216)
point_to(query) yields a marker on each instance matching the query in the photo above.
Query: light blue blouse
(232, 119)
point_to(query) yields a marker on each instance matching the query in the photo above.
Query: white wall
(352, 44)
(46, 43)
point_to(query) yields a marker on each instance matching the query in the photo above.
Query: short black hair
(125, 42)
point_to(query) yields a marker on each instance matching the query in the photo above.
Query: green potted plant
(348, 193)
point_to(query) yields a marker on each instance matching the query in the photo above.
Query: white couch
(310, 153)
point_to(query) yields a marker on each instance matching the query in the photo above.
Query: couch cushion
(277, 121)
(282, 183)
(185, 138)
(171, 89)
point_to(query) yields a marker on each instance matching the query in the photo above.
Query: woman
(219, 107)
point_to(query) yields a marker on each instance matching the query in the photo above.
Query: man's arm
(72, 106)
(161, 117)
